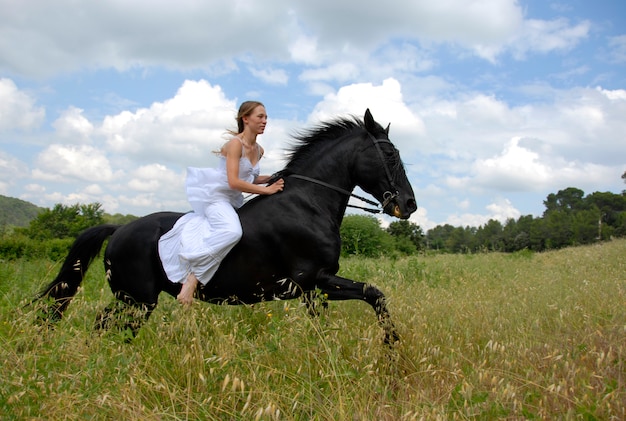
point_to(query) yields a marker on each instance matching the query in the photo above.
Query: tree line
(570, 218)
(52, 231)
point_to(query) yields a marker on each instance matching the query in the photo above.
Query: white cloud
(271, 76)
(183, 130)
(536, 36)
(420, 217)
(151, 178)
(519, 169)
(614, 95)
(352, 23)
(515, 169)
(121, 35)
(73, 126)
(500, 210)
(60, 162)
(586, 124)
(34, 188)
(11, 169)
(338, 71)
(384, 101)
(93, 190)
(18, 109)
(477, 145)
(303, 49)
(618, 49)
(544, 36)
(211, 35)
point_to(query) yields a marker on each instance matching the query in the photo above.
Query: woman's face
(257, 120)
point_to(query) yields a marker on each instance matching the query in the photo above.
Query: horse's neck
(331, 165)
(331, 169)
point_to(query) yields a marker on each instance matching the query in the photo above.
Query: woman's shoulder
(232, 146)
(235, 140)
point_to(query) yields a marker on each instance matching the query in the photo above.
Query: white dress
(200, 240)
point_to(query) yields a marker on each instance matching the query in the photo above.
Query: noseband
(388, 196)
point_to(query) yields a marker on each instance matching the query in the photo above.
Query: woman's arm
(262, 179)
(233, 151)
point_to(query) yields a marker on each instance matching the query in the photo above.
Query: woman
(192, 251)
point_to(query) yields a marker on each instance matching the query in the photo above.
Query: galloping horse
(290, 246)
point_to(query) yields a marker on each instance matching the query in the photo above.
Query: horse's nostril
(411, 205)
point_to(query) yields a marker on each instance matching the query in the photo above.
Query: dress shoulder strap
(242, 146)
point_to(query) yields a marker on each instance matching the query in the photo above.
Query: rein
(340, 190)
(388, 196)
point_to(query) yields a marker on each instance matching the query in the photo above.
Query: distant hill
(16, 212)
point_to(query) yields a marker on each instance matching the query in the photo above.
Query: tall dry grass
(489, 336)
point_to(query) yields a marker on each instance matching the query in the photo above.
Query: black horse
(290, 246)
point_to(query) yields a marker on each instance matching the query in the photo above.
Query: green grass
(488, 336)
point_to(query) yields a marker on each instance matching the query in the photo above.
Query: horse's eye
(390, 153)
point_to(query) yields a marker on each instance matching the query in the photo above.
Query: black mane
(307, 141)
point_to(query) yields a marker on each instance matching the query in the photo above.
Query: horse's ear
(370, 124)
(387, 129)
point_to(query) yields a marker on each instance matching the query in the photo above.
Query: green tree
(119, 219)
(585, 226)
(405, 229)
(461, 240)
(437, 237)
(538, 234)
(568, 200)
(608, 205)
(64, 221)
(362, 235)
(560, 231)
(620, 226)
(570, 218)
(490, 236)
(522, 234)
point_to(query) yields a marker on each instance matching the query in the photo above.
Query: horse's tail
(61, 290)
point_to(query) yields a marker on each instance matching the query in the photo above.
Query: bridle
(388, 196)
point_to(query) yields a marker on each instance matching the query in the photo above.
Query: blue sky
(493, 104)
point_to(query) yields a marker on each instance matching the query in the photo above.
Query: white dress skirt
(201, 239)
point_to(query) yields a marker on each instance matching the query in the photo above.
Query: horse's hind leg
(124, 315)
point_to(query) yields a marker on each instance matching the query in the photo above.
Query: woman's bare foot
(189, 288)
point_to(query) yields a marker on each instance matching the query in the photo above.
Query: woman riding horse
(290, 246)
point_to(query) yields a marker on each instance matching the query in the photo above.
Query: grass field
(487, 336)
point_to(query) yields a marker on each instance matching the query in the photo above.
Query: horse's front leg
(338, 288)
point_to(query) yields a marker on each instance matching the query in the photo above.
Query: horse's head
(380, 172)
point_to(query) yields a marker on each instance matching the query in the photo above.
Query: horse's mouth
(395, 209)
(397, 212)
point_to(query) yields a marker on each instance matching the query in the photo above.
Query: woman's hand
(275, 187)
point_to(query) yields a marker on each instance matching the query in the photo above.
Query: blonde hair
(245, 109)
